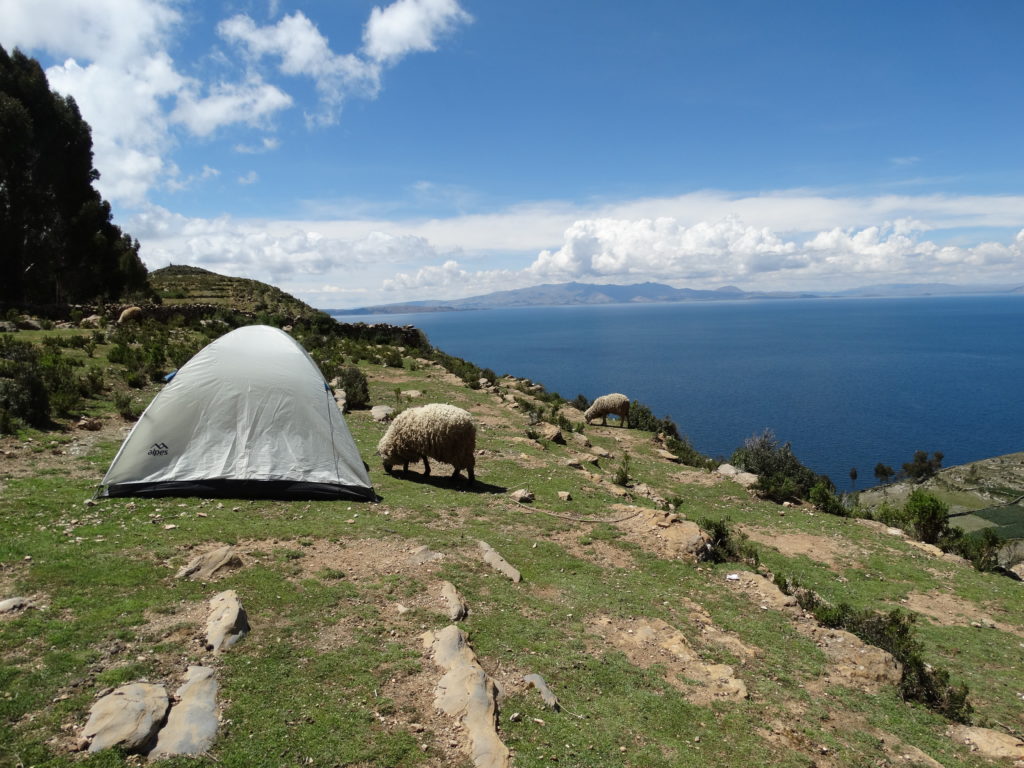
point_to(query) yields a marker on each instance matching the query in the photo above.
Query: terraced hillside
(659, 629)
(194, 285)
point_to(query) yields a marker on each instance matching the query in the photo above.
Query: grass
(333, 674)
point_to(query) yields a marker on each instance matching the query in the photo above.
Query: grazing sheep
(130, 315)
(614, 404)
(437, 431)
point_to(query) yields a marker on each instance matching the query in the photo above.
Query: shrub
(391, 358)
(980, 547)
(922, 467)
(689, 455)
(125, 407)
(621, 476)
(781, 476)
(726, 546)
(353, 381)
(892, 632)
(23, 392)
(928, 516)
(893, 516)
(823, 496)
(580, 403)
(641, 417)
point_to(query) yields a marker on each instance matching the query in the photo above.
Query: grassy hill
(657, 658)
(192, 285)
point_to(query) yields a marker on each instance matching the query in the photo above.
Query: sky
(355, 152)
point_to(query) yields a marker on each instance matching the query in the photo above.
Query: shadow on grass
(459, 483)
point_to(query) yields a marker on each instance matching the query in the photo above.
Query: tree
(853, 476)
(57, 241)
(928, 515)
(922, 467)
(883, 473)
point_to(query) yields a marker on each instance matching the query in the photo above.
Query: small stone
(523, 496)
(89, 502)
(564, 496)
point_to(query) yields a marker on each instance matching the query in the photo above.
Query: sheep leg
(426, 466)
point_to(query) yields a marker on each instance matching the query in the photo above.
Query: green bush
(621, 476)
(125, 406)
(781, 476)
(23, 391)
(726, 546)
(641, 417)
(357, 390)
(823, 496)
(689, 455)
(927, 515)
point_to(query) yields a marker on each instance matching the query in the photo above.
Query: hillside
(177, 285)
(657, 658)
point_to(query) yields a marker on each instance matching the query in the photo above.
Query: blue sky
(356, 152)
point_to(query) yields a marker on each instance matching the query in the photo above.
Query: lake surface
(847, 382)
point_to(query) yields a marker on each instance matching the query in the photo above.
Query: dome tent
(249, 416)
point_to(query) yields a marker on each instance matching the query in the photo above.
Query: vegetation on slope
(333, 672)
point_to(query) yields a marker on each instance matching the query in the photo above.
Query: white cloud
(252, 102)
(409, 26)
(118, 67)
(303, 50)
(250, 178)
(268, 144)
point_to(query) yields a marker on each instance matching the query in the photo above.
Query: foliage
(824, 497)
(57, 241)
(580, 402)
(621, 476)
(927, 515)
(683, 448)
(781, 476)
(641, 417)
(893, 632)
(883, 473)
(725, 545)
(357, 391)
(23, 393)
(923, 467)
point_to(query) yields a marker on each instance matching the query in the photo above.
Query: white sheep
(438, 431)
(614, 404)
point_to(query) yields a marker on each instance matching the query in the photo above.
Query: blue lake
(848, 383)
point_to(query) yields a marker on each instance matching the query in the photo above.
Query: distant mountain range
(566, 294)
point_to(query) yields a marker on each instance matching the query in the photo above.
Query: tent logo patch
(158, 449)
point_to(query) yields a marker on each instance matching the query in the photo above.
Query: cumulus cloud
(409, 26)
(302, 50)
(268, 144)
(267, 250)
(252, 102)
(118, 67)
(249, 178)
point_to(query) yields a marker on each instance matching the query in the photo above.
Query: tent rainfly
(249, 416)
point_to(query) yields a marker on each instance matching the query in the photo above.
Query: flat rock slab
(423, 555)
(455, 605)
(127, 718)
(192, 724)
(227, 623)
(204, 567)
(382, 412)
(499, 563)
(15, 604)
(987, 742)
(667, 456)
(466, 693)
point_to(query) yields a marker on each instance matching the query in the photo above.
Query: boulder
(15, 604)
(550, 432)
(192, 724)
(424, 554)
(667, 456)
(412, 394)
(601, 452)
(92, 321)
(227, 622)
(204, 567)
(127, 718)
(457, 609)
(382, 412)
(523, 496)
(89, 424)
(580, 439)
(564, 496)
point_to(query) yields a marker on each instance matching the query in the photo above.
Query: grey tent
(249, 416)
